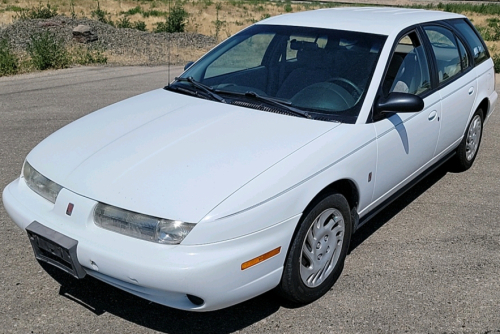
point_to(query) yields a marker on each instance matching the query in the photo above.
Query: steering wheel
(349, 82)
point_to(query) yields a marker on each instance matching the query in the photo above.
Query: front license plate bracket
(55, 248)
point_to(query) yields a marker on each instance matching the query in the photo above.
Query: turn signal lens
(260, 259)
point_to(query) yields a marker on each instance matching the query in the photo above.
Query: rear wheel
(469, 146)
(318, 250)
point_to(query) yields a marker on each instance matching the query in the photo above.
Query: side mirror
(188, 65)
(399, 102)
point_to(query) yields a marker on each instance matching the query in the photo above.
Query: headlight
(163, 231)
(40, 184)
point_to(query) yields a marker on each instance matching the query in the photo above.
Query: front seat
(408, 78)
(311, 70)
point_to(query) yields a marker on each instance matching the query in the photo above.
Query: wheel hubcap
(322, 247)
(473, 137)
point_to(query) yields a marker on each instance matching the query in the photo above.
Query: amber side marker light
(260, 258)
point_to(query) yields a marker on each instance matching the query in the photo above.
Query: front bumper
(164, 274)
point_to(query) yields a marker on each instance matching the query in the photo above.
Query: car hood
(169, 155)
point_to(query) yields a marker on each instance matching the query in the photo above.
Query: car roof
(377, 20)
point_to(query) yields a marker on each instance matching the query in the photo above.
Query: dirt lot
(429, 263)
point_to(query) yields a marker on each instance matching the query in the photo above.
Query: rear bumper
(164, 274)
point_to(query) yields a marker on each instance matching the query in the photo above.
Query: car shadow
(99, 297)
(397, 206)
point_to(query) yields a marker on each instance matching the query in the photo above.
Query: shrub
(175, 22)
(484, 8)
(288, 7)
(492, 31)
(40, 12)
(177, 18)
(86, 55)
(124, 22)
(139, 25)
(9, 63)
(47, 51)
(218, 23)
(496, 62)
(102, 15)
(154, 13)
(133, 11)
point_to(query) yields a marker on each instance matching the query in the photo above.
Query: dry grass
(232, 15)
(481, 20)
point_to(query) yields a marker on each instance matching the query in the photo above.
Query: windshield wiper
(277, 102)
(206, 89)
(280, 103)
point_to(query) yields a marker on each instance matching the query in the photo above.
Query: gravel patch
(122, 45)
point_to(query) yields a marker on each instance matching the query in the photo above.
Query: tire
(317, 252)
(466, 152)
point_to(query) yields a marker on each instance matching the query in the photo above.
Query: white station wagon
(252, 170)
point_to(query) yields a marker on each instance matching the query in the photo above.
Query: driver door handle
(432, 115)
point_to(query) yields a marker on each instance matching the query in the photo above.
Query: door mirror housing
(399, 102)
(188, 65)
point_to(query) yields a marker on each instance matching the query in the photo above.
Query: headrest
(302, 45)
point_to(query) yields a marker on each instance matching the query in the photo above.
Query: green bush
(288, 7)
(133, 11)
(492, 31)
(9, 63)
(139, 25)
(484, 8)
(154, 13)
(102, 15)
(47, 51)
(86, 55)
(14, 9)
(175, 22)
(124, 22)
(218, 23)
(40, 12)
(496, 62)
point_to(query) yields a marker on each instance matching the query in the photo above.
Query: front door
(406, 141)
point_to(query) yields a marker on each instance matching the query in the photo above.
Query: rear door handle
(471, 90)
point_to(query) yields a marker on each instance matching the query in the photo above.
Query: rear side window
(446, 52)
(478, 50)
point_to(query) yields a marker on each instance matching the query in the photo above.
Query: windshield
(323, 72)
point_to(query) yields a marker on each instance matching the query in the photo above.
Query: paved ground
(430, 263)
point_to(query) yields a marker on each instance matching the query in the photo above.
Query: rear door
(457, 84)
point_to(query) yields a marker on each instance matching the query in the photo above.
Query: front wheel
(469, 146)
(318, 250)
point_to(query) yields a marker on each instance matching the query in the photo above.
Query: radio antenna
(169, 42)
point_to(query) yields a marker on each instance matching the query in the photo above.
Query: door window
(444, 46)
(408, 71)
